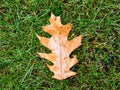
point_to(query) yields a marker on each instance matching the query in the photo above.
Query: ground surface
(99, 56)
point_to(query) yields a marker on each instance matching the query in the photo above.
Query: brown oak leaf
(60, 47)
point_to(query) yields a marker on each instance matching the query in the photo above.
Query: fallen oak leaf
(60, 47)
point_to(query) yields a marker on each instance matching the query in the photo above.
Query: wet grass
(99, 56)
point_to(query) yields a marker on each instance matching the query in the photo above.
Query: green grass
(99, 56)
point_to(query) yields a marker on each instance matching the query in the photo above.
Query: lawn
(98, 21)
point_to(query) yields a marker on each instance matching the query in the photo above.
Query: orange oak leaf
(60, 47)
